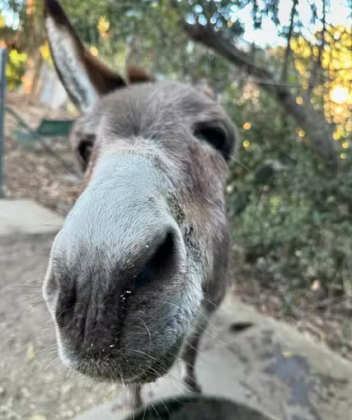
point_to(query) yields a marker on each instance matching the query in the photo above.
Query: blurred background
(283, 70)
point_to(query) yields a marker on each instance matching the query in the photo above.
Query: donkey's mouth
(126, 370)
(159, 367)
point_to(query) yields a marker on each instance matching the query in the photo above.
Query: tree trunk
(306, 117)
(33, 95)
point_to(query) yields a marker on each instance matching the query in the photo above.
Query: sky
(11, 18)
(267, 35)
(338, 14)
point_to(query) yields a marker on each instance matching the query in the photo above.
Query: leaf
(264, 175)
(315, 285)
(30, 352)
(240, 202)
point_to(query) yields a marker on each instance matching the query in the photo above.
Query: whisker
(163, 403)
(240, 163)
(145, 409)
(153, 407)
(148, 330)
(51, 363)
(145, 354)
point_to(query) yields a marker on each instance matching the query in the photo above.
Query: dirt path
(29, 170)
(31, 387)
(270, 366)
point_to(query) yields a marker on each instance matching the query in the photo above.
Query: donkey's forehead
(169, 113)
(176, 95)
(159, 104)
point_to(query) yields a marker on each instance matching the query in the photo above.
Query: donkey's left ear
(136, 74)
(205, 87)
(84, 77)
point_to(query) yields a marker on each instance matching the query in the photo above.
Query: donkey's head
(129, 268)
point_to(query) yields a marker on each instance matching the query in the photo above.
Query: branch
(317, 66)
(306, 117)
(207, 36)
(288, 47)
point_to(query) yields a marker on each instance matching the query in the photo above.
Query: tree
(329, 84)
(213, 24)
(208, 22)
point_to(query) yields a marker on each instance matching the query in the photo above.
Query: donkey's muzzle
(91, 294)
(115, 280)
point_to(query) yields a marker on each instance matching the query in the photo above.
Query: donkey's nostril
(159, 264)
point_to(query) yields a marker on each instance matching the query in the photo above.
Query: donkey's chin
(123, 369)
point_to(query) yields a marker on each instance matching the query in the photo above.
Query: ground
(32, 172)
(31, 382)
(269, 365)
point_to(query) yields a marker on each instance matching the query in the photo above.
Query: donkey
(140, 263)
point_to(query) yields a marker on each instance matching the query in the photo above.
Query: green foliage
(286, 207)
(15, 69)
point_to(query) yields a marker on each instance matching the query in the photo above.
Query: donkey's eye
(85, 151)
(214, 135)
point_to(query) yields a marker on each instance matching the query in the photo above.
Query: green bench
(46, 128)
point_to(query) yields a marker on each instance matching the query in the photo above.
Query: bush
(286, 207)
(15, 69)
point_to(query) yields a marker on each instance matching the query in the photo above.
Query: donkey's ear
(204, 86)
(136, 74)
(84, 77)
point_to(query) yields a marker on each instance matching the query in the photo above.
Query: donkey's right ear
(84, 77)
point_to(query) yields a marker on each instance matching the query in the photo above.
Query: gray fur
(150, 184)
